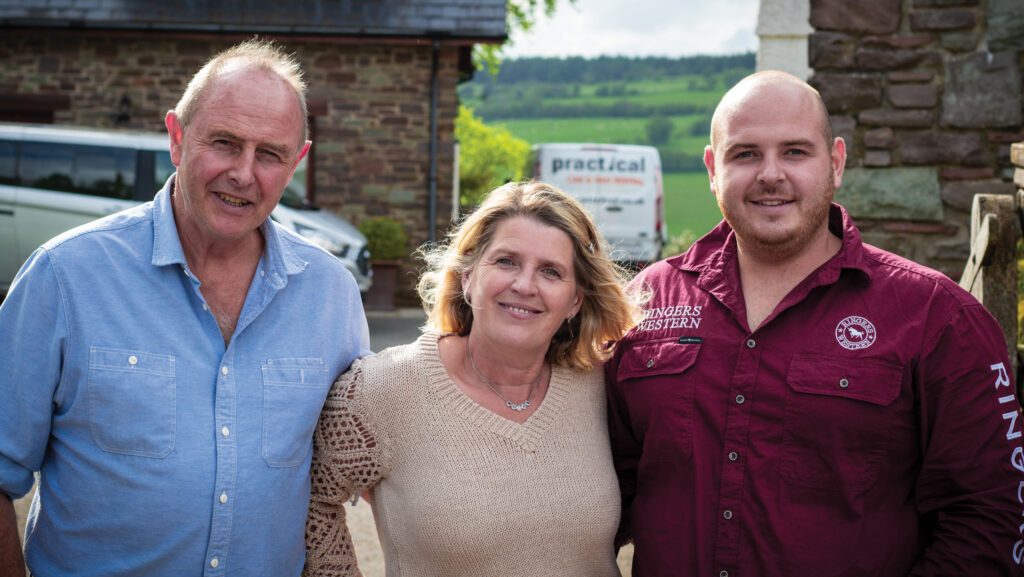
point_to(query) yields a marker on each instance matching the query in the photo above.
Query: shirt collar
(716, 250)
(279, 259)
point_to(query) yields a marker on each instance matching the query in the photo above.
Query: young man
(162, 369)
(797, 402)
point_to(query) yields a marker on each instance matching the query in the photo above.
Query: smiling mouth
(522, 311)
(232, 201)
(772, 202)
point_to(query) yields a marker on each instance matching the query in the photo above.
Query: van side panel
(620, 185)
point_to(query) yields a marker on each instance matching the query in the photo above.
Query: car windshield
(295, 193)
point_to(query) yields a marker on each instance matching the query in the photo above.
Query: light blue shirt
(159, 451)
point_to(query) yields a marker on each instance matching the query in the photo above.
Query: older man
(827, 408)
(162, 370)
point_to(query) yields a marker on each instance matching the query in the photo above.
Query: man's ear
(176, 135)
(838, 160)
(709, 163)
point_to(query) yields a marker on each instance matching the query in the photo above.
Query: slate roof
(480, 19)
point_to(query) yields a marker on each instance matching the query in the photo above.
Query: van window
(94, 170)
(8, 154)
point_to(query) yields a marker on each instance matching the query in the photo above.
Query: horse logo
(855, 333)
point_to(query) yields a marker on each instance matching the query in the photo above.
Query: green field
(570, 96)
(689, 204)
(604, 130)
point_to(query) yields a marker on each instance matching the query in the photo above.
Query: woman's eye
(552, 273)
(503, 260)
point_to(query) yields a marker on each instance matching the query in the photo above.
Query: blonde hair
(606, 312)
(264, 54)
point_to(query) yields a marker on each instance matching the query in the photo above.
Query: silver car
(54, 178)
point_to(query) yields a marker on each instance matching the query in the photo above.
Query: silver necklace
(508, 403)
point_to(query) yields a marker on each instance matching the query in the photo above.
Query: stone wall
(371, 124)
(928, 96)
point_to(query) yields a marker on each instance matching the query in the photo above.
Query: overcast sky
(641, 28)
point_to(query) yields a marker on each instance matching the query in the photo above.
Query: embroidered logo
(855, 333)
(671, 317)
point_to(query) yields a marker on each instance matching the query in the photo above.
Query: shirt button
(224, 431)
(740, 399)
(723, 574)
(206, 307)
(223, 370)
(214, 562)
(843, 383)
(650, 363)
(751, 343)
(223, 497)
(733, 455)
(727, 514)
(132, 360)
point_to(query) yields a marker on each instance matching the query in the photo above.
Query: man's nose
(241, 172)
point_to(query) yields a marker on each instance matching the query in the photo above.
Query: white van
(620, 184)
(53, 178)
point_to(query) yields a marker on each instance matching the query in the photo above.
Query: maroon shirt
(868, 427)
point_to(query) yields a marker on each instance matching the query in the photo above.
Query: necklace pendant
(516, 407)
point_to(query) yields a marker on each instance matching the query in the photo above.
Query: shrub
(385, 238)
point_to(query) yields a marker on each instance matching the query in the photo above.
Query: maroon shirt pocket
(657, 379)
(839, 418)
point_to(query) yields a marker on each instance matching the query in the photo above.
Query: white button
(844, 383)
(733, 456)
(214, 562)
(206, 307)
(723, 574)
(262, 273)
(650, 363)
(223, 497)
(223, 370)
(132, 360)
(751, 343)
(224, 431)
(740, 399)
(727, 514)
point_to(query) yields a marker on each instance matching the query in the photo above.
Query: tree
(489, 156)
(520, 15)
(659, 130)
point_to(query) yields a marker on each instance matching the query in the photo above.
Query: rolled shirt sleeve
(33, 334)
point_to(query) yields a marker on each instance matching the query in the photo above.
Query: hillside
(665, 102)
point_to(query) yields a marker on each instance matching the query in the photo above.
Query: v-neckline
(527, 434)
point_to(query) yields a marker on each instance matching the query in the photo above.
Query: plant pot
(381, 296)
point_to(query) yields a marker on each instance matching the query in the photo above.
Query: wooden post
(991, 270)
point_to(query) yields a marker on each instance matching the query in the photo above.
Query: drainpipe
(434, 88)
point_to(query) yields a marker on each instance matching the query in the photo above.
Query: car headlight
(317, 237)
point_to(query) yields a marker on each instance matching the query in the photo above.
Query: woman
(483, 445)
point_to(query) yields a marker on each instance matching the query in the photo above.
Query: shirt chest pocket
(293, 394)
(658, 379)
(132, 401)
(840, 417)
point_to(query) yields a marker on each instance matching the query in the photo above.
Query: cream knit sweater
(457, 489)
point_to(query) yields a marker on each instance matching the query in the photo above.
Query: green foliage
(659, 130)
(489, 156)
(385, 238)
(679, 244)
(520, 15)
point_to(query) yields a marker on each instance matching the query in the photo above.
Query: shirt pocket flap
(873, 381)
(661, 357)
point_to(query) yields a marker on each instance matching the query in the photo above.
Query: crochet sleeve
(346, 461)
